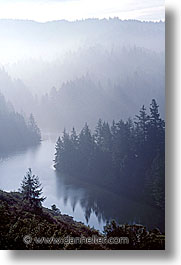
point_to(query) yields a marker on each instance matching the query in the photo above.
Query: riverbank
(18, 224)
(25, 228)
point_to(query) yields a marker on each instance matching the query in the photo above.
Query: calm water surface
(86, 203)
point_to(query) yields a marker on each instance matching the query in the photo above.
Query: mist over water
(86, 202)
(67, 74)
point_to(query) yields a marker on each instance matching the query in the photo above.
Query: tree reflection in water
(107, 205)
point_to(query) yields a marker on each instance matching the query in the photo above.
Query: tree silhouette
(31, 190)
(34, 130)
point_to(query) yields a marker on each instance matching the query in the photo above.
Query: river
(87, 203)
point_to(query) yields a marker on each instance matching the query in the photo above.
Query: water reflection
(106, 205)
(87, 203)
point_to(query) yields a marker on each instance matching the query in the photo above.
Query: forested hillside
(15, 131)
(64, 68)
(14, 90)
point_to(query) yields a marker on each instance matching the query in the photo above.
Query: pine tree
(65, 152)
(113, 129)
(35, 131)
(74, 138)
(86, 149)
(98, 134)
(58, 147)
(31, 190)
(142, 125)
(156, 130)
(155, 115)
(107, 138)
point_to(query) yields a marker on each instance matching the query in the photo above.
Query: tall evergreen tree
(58, 149)
(98, 134)
(31, 190)
(86, 149)
(142, 125)
(107, 138)
(156, 130)
(35, 131)
(74, 138)
(66, 150)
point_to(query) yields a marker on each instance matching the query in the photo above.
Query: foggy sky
(48, 10)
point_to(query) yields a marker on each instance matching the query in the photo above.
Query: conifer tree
(142, 124)
(58, 153)
(98, 133)
(35, 131)
(156, 130)
(31, 190)
(74, 138)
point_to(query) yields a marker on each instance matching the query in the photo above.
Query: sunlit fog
(82, 106)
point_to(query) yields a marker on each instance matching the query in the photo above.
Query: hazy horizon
(84, 19)
(72, 10)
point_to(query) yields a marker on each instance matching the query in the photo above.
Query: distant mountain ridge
(26, 36)
(119, 63)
